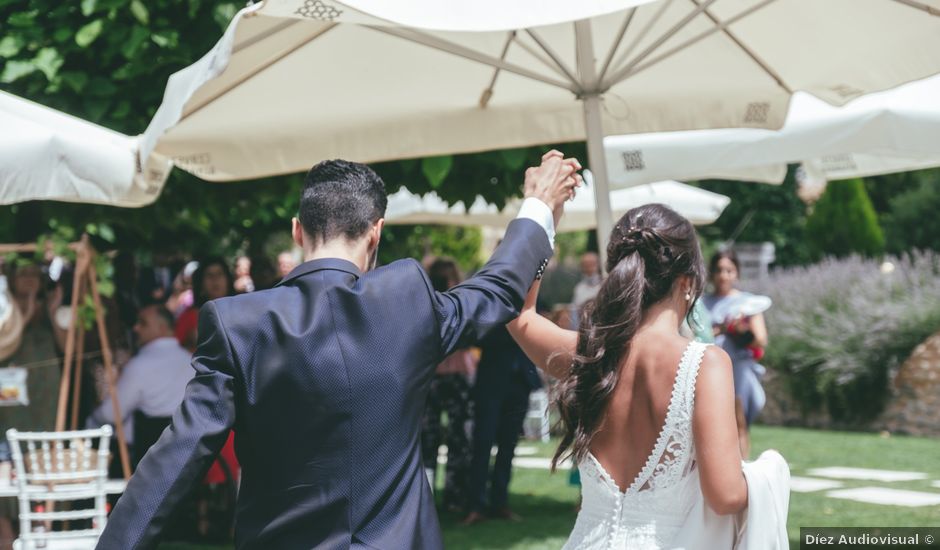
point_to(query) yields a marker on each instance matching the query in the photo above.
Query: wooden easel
(85, 281)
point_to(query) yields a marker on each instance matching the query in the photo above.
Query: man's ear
(377, 232)
(297, 232)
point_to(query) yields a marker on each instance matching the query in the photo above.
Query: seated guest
(152, 383)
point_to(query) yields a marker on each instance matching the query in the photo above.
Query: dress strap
(688, 374)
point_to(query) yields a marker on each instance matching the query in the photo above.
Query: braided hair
(650, 248)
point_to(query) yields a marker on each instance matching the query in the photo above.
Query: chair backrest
(55, 468)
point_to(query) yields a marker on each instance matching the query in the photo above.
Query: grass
(547, 502)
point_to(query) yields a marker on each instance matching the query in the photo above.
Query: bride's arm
(716, 435)
(549, 346)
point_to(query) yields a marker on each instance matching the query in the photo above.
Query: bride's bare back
(637, 409)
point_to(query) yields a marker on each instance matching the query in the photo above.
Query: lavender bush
(840, 329)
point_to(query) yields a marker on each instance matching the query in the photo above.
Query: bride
(648, 415)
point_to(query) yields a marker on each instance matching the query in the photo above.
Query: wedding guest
(243, 282)
(587, 287)
(211, 280)
(744, 337)
(40, 343)
(33, 343)
(450, 393)
(286, 262)
(182, 297)
(505, 378)
(152, 383)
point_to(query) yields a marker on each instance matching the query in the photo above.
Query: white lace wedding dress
(664, 506)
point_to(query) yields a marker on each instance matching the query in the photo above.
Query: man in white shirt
(153, 381)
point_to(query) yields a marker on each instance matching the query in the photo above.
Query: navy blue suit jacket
(324, 380)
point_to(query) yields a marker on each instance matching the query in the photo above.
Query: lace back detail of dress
(672, 455)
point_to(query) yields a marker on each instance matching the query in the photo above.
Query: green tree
(108, 61)
(844, 222)
(769, 213)
(912, 221)
(420, 241)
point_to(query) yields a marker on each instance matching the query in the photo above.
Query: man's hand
(554, 181)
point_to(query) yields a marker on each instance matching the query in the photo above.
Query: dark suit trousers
(499, 416)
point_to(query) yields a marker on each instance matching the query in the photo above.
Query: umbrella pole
(598, 165)
(594, 131)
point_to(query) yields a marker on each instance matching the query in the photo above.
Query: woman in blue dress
(743, 334)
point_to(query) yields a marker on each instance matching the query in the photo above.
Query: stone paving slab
(809, 484)
(523, 450)
(884, 495)
(839, 472)
(936, 484)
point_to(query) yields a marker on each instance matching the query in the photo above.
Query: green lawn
(547, 503)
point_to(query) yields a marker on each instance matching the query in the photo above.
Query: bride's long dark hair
(650, 248)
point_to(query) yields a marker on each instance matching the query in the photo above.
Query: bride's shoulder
(714, 357)
(715, 367)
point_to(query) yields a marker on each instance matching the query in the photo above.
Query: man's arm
(495, 294)
(129, 393)
(183, 454)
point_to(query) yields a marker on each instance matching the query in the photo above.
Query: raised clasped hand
(554, 181)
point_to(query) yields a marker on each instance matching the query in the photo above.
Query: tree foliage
(108, 61)
(843, 222)
(912, 221)
(776, 214)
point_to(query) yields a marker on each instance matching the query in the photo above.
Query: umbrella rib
(624, 74)
(554, 56)
(645, 31)
(471, 54)
(675, 29)
(616, 43)
(488, 92)
(254, 72)
(263, 35)
(920, 6)
(750, 53)
(539, 56)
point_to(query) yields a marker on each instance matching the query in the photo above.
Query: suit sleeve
(495, 294)
(183, 454)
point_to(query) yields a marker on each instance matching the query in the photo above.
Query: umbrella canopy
(699, 206)
(47, 154)
(880, 133)
(406, 208)
(293, 82)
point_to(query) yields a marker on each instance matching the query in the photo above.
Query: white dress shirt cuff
(539, 212)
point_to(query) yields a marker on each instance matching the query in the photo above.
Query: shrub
(912, 222)
(840, 329)
(843, 222)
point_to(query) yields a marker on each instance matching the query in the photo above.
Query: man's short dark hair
(341, 198)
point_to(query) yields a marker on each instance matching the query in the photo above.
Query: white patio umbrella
(407, 208)
(292, 82)
(699, 206)
(879, 133)
(47, 154)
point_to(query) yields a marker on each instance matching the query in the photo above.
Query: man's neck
(354, 252)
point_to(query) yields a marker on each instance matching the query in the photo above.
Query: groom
(324, 377)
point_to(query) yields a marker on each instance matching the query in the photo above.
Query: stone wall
(913, 408)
